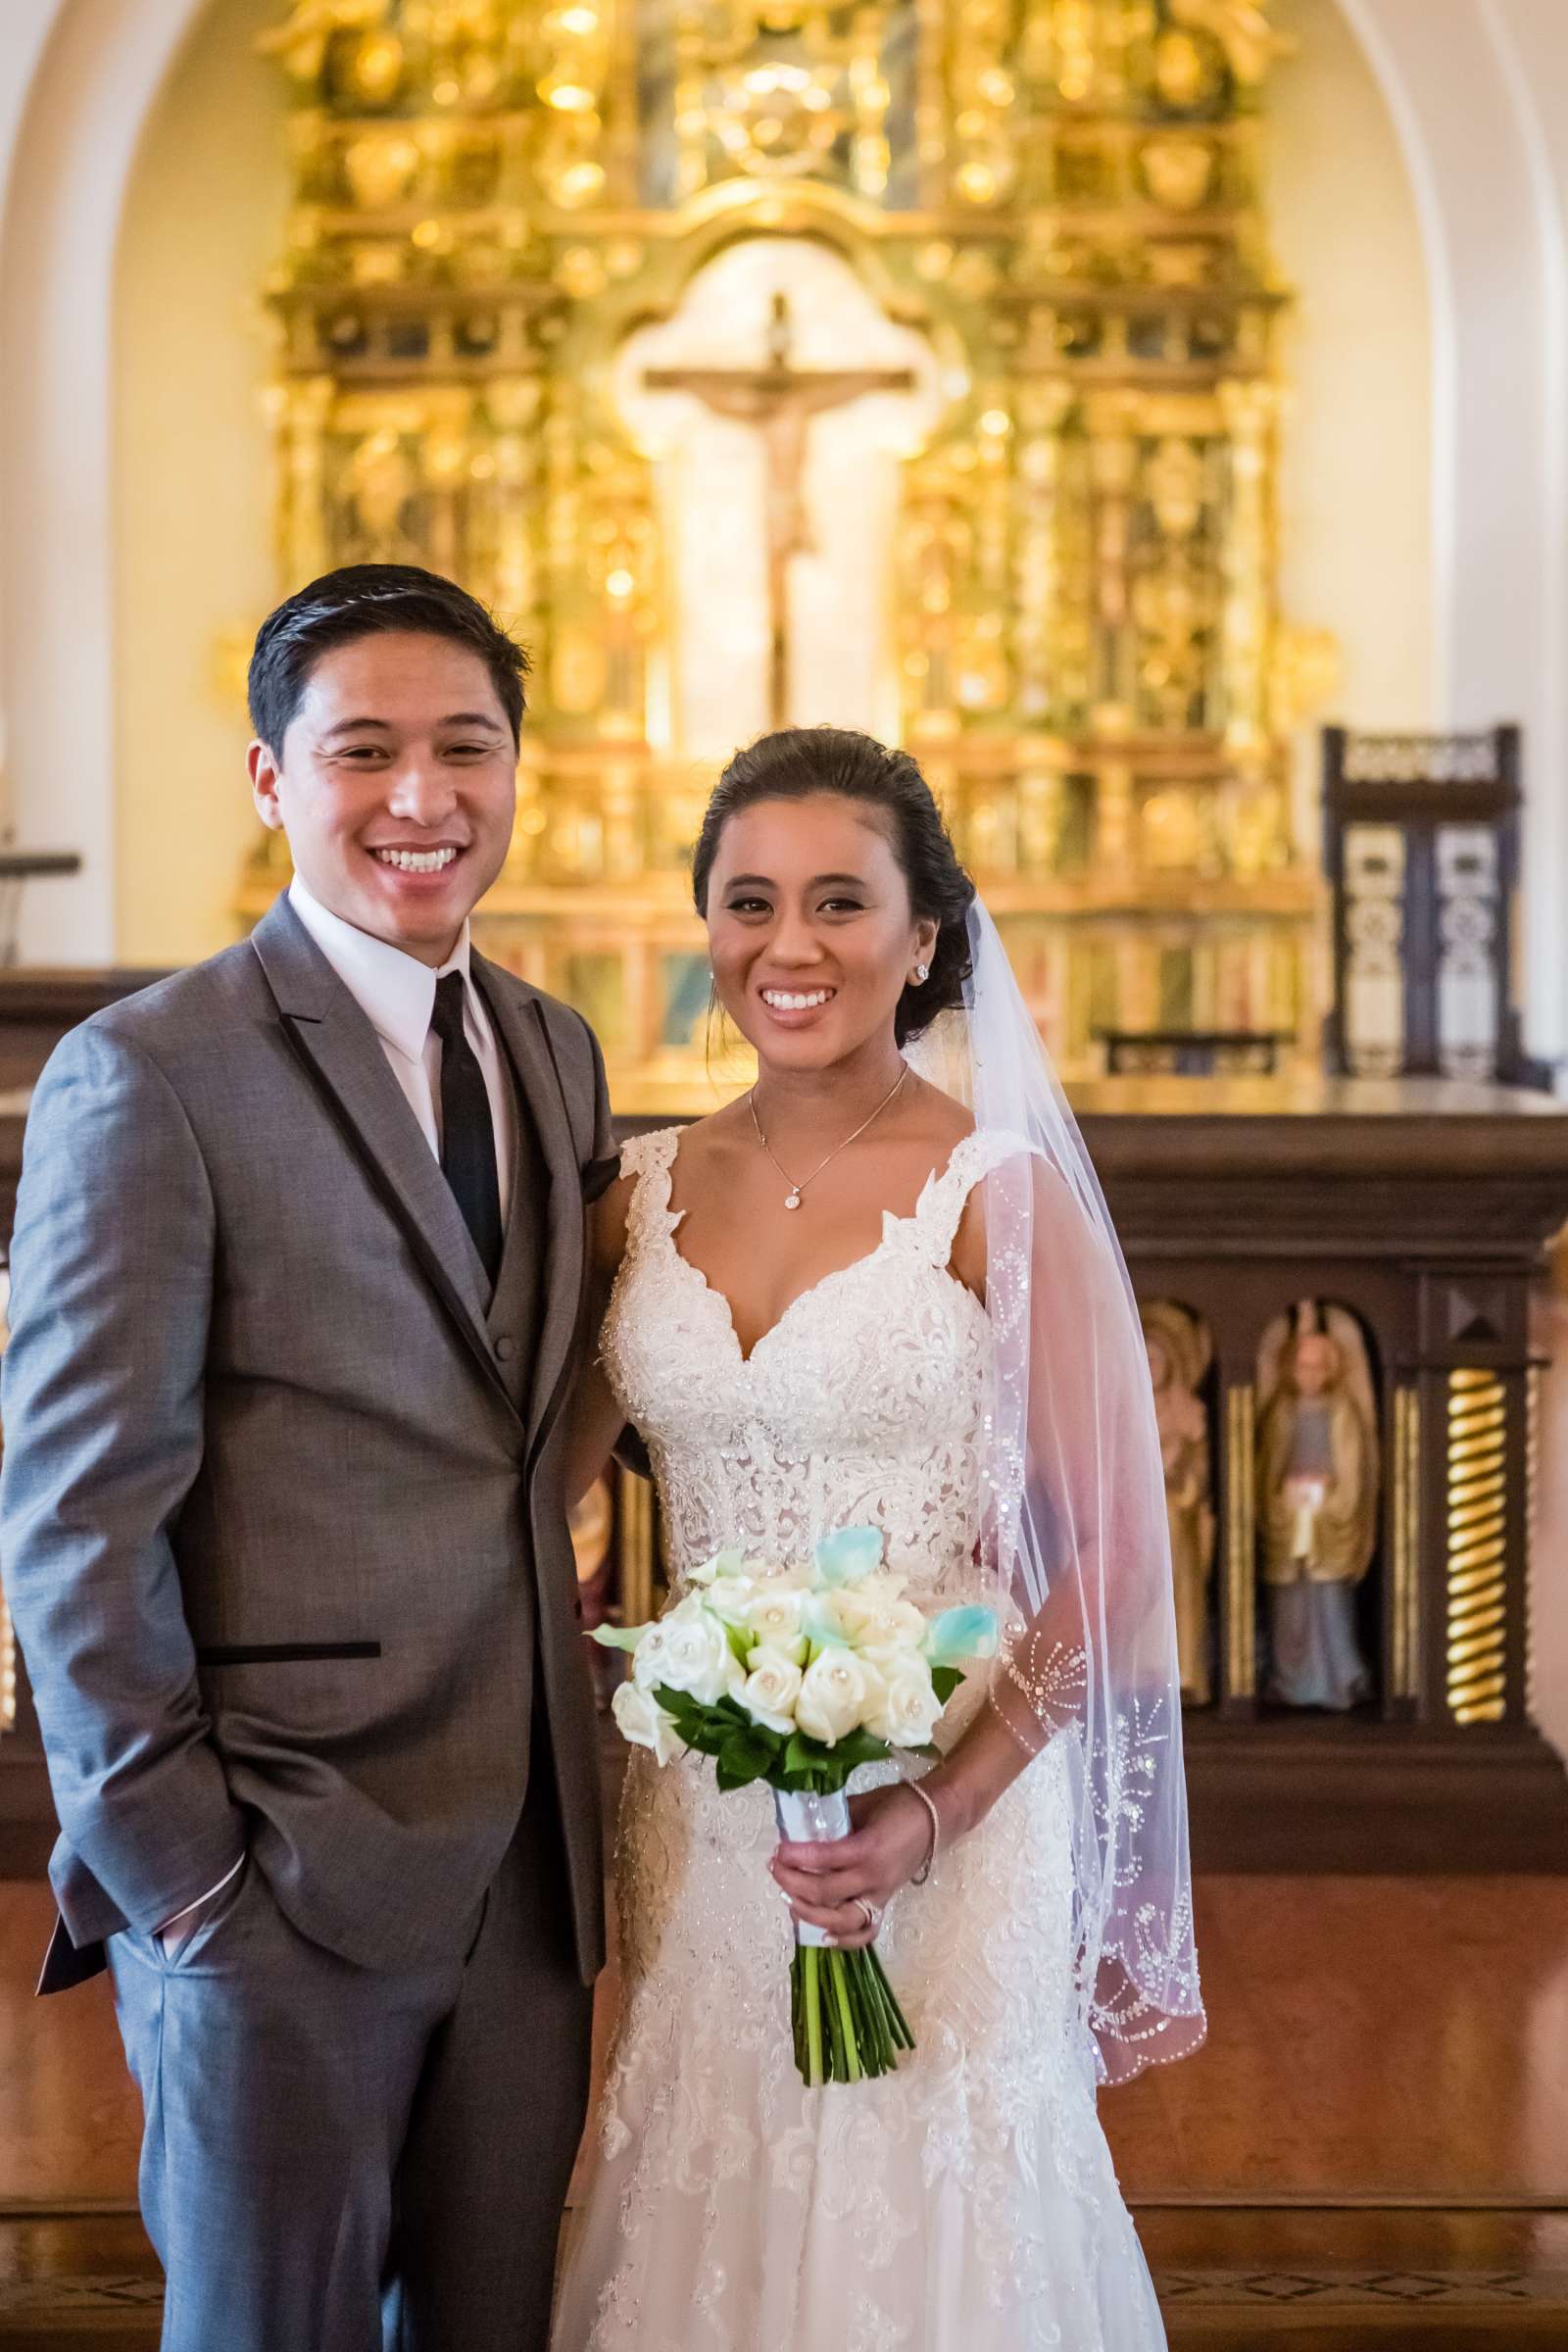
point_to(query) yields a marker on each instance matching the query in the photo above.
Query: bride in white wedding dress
(822, 1314)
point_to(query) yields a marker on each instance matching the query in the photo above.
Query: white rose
(648, 1659)
(644, 1722)
(689, 1651)
(776, 1619)
(730, 1599)
(770, 1690)
(838, 1691)
(875, 1621)
(910, 1709)
(729, 1562)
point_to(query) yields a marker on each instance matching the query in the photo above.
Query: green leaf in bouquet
(944, 1680)
(859, 1748)
(679, 1704)
(742, 1761)
(699, 1727)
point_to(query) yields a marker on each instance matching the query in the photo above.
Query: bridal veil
(1074, 1530)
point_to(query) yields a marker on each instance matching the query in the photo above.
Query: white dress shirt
(396, 992)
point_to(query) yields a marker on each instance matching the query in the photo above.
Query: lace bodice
(862, 1406)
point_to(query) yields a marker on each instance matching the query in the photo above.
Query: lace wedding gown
(965, 2203)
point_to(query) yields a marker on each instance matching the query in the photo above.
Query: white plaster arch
(88, 73)
(1477, 90)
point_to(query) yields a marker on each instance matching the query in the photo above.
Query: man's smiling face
(395, 785)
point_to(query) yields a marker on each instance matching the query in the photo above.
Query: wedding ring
(873, 1917)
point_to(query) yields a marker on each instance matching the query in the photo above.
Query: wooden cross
(780, 400)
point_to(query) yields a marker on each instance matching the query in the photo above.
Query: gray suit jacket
(281, 1517)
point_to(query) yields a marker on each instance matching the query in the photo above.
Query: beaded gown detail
(968, 2202)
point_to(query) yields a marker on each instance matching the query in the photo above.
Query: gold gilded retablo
(1040, 460)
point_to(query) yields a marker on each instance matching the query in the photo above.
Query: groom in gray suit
(298, 1278)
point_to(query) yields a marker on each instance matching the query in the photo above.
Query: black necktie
(468, 1135)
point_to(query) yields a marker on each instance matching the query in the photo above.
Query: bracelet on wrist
(924, 1872)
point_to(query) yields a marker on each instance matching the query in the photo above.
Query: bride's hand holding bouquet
(798, 1680)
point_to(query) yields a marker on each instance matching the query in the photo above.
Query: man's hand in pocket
(177, 1931)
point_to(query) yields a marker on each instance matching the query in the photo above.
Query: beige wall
(192, 479)
(1356, 480)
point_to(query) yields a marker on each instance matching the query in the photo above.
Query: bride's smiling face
(811, 933)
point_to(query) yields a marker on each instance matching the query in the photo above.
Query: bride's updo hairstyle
(796, 763)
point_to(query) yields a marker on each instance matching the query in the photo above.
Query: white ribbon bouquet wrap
(798, 1679)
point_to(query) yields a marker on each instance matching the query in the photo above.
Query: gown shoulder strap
(648, 1159)
(941, 1205)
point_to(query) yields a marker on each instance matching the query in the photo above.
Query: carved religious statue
(1179, 1350)
(780, 400)
(1319, 1503)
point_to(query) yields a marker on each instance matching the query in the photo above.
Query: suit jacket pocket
(211, 1917)
(282, 1653)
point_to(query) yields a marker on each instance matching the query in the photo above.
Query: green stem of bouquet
(848, 2025)
(838, 1973)
(813, 2016)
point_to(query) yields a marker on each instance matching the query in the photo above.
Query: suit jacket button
(505, 1349)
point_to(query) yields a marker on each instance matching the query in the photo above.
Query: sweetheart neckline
(891, 1221)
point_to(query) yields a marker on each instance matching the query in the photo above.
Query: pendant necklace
(792, 1198)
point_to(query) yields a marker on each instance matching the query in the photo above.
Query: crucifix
(781, 400)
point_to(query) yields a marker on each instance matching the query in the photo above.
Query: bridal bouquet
(797, 1679)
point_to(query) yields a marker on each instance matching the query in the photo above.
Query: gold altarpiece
(926, 348)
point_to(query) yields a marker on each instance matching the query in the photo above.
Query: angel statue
(1318, 1480)
(1179, 1350)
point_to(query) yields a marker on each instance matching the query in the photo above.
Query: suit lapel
(338, 1047)
(520, 1019)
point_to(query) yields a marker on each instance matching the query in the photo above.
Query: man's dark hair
(365, 600)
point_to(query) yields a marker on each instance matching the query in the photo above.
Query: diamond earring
(922, 973)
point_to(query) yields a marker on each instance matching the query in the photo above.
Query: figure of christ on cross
(781, 400)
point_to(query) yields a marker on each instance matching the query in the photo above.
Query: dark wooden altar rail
(39, 1006)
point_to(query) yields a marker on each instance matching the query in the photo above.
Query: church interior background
(1103, 398)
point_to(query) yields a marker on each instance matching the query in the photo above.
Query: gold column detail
(1241, 1538)
(637, 1566)
(301, 410)
(1478, 1506)
(8, 1669)
(1248, 412)
(1535, 1406)
(1406, 1509)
